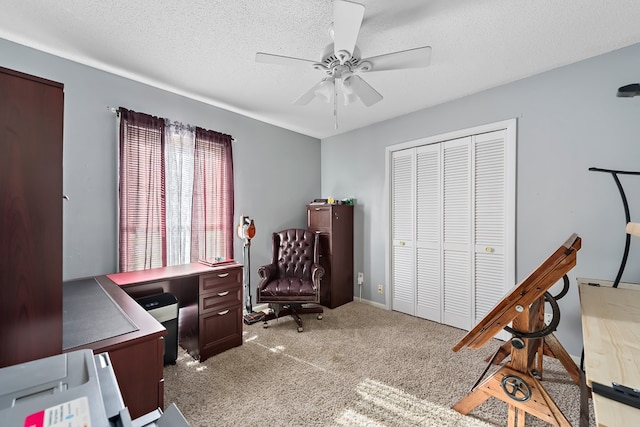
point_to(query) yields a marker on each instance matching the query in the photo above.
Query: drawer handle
(222, 294)
(222, 313)
(223, 274)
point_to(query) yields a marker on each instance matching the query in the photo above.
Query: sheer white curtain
(179, 163)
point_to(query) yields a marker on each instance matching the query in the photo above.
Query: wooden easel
(514, 383)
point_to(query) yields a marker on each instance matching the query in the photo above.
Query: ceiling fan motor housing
(335, 65)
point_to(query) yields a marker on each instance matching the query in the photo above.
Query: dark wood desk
(136, 354)
(209, 299)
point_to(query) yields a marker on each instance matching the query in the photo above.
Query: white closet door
(452, 257)
(428, 233)
(402, 220)
(457, 249)
(490, 207)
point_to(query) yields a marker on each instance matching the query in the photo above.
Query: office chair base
(293, 310)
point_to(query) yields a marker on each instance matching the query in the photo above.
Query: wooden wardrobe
(31, 122)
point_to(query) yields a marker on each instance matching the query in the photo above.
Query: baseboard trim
(373, 303)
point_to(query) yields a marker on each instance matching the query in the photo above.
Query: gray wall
(569, 119)
(261, 170)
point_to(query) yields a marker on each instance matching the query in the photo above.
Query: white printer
(75, 389)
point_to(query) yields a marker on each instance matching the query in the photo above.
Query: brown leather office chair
(293, 277)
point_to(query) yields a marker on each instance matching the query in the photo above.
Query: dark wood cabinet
(31, 121)
(334, 223)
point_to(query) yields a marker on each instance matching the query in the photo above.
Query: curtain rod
(116, 111)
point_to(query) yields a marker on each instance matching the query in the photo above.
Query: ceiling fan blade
(307, 97)
(365, 92)
(268, 58)
(347, 18)
(413, 58)
(323, 89)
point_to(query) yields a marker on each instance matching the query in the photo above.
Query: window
(175, 193)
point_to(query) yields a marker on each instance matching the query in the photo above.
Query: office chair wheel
(265, 325)
(319, 317)
(300, 329)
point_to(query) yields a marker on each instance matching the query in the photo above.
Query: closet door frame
(510, 128)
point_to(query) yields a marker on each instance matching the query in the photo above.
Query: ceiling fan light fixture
(324, 91)
(349, 94)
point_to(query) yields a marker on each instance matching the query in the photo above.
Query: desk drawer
(221, 281)
(319, 218)
(220, 290)
(231, 296)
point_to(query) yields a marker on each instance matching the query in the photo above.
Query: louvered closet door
(453, 226)
(456, 196)
(402, 220)
(489, 211)
(428, 233)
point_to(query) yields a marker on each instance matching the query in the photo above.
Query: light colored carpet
(359, 366)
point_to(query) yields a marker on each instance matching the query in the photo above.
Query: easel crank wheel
(516, 388)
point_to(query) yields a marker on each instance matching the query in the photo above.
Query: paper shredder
(164, 308)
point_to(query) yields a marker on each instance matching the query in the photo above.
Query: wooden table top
(161, 273)
(611, 335)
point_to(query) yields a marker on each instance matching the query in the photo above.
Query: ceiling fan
(341, 61)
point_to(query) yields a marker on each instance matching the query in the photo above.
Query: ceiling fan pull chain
(335, 105)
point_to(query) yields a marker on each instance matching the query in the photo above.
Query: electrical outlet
(380, 289)
(548, 317)
(360, 278)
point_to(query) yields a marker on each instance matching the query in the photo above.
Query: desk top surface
(81, 300)
(611, 335)
(163, 273)
(89, 314)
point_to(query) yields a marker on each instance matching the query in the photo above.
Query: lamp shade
(350, 95)
(324, 91)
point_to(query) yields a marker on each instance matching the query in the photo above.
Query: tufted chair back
(294, 273)
(295, 252)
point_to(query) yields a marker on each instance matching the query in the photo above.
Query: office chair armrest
(317, 271)
(267, 271)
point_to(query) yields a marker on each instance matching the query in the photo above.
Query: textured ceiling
(205, 49)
